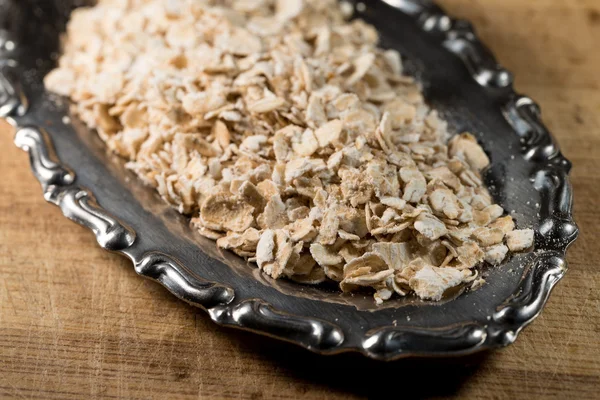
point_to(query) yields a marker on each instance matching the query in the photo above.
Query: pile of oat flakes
(290, 137)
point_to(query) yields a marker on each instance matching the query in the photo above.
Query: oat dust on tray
(290, 138)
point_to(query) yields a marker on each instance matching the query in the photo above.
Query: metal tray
(528, 177)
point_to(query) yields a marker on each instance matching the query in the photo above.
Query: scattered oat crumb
(520, 240)
(290, 138)
(477, 283)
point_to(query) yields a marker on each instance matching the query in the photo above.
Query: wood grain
(77, 322)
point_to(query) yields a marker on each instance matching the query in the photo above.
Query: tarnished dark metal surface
(528, 177)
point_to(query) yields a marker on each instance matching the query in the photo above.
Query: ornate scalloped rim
(550, 177)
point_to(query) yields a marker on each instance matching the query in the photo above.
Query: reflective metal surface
(528, 177)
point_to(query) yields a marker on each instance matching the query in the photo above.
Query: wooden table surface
(77, 322)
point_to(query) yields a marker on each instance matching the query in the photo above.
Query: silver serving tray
(528, 176)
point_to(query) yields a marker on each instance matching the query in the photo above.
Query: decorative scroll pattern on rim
(550, 177)
(12, 98)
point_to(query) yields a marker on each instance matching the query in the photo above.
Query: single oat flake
(290, 138)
